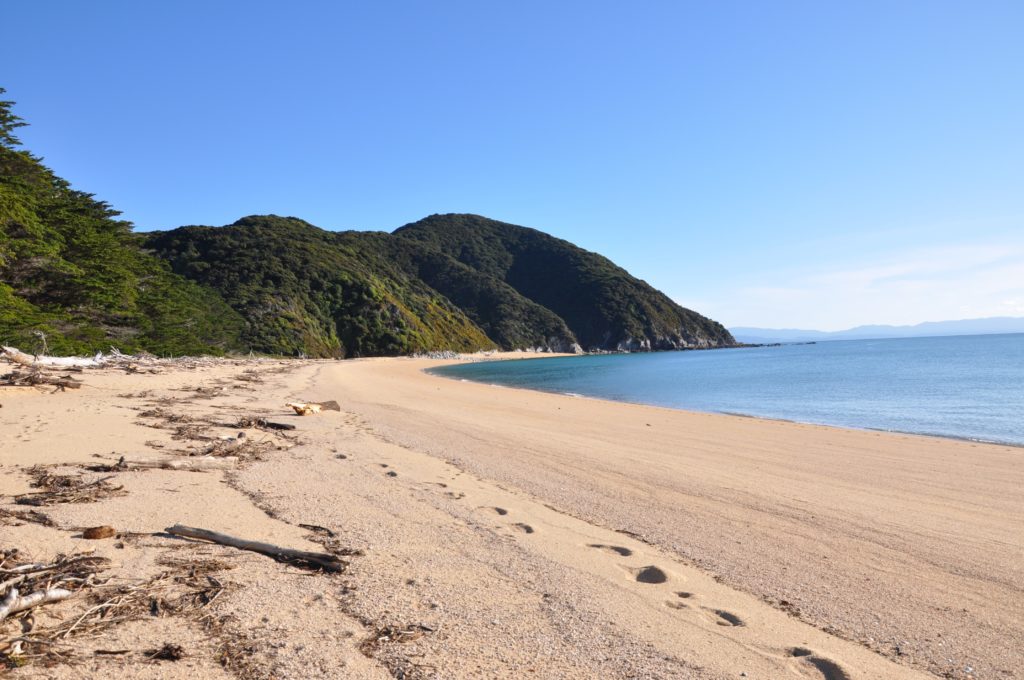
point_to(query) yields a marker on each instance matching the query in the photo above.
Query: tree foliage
(74, 273)
(600, 302)
(305, 290)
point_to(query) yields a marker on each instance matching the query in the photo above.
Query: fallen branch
(14, 603)
(322, 560)
(262, 424)
(195, 464)
(67, 489)
(34, 378)
(16, 356)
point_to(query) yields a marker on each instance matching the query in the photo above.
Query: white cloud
(927, 284)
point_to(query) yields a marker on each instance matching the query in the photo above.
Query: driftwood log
(324, 561)
(15, 355)
(195, 463)
(266, 424)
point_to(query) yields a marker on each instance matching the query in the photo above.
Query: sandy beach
(498, 533)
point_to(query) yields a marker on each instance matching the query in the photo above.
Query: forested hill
(74, 278)
(448, 282)
(604, 306)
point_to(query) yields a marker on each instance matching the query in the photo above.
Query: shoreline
(839, 525)
(577, 395)
(865, 428)
(514, 531)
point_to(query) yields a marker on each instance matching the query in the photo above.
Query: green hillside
(508, 318)
(305, 290)
(74, 279)
(605, 307)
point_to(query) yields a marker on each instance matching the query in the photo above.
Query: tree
(9, 123)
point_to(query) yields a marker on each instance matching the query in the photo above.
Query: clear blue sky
(810, 164)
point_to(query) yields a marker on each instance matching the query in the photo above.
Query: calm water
(968, 386)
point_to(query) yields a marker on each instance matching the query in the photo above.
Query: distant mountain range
(988, 326)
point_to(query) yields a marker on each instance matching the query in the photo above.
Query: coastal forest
(75, 278)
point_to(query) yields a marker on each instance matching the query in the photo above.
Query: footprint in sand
(724, 618)
(500, 511)
(455, 495)
(617, 549)
(676, 604)
(391, 473)
(818, 667)
(649, 574)
(525, 528)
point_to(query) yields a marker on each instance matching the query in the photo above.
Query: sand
(504, 533)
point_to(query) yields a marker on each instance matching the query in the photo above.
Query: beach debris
(238, 446)
(28, 585)
(191, 464)
(186, 588)
(15, 602)
(169, 652)
(399, 634)
(304, 409)
(96, 533)
(66, 489)
(316, 528)
(262, 423)
(14, 355)
(309, 408)
(36, 378)
(298, 557)
(25, 516)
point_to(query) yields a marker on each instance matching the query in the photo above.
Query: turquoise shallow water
(969, 387)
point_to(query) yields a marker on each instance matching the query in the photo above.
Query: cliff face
(602, 304)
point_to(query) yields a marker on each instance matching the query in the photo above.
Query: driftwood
(16, 356)
(14, 602)
(42, 583)
(262, 424)
(66, 489)
(35, 377)
(321, 560)
(195, 463)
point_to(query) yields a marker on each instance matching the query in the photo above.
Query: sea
(966, 387)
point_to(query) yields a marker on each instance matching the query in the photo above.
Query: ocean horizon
(967, 387)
